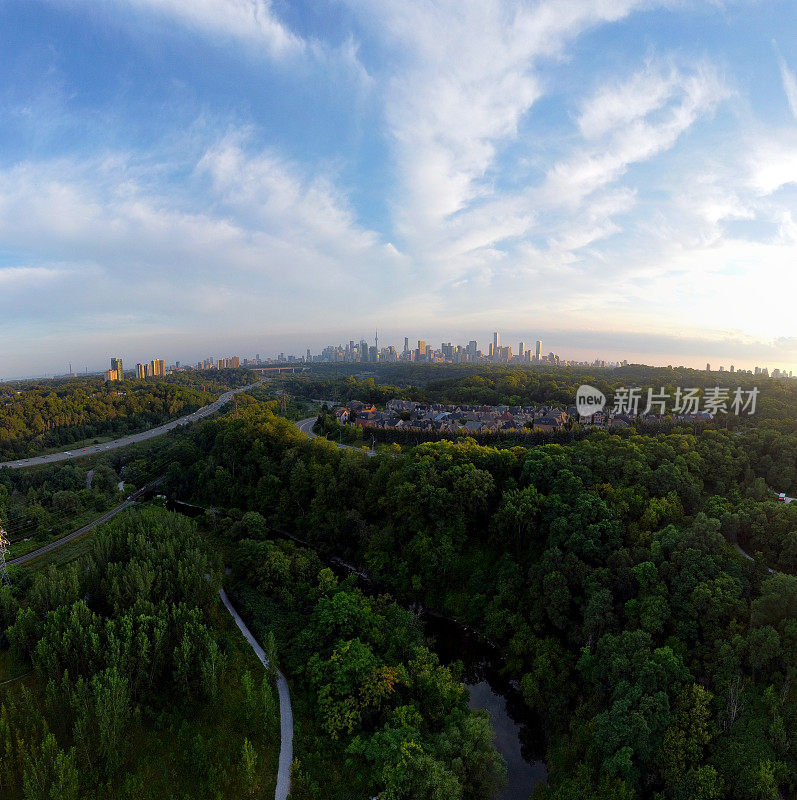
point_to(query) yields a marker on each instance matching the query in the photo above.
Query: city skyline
(622, 173)
(533, 353)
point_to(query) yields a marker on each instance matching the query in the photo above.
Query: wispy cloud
(253, 21)
(789, 80)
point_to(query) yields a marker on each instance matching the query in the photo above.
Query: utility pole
(3, 549)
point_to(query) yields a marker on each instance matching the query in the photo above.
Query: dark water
(518, 732)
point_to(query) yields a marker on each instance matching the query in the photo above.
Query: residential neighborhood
(472, 419)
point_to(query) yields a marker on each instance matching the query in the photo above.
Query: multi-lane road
(66, 455)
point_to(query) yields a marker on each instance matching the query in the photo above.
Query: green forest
(39, 416)
(131, 681)
(661, 661)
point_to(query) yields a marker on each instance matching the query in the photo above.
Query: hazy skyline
(616, 177)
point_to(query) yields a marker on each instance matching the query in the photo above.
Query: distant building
(538, 350)
(118, 369)
(157, 367)
(141, 371)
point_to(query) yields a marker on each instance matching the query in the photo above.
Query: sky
(188, 179)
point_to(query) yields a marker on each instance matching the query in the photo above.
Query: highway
(67, 455)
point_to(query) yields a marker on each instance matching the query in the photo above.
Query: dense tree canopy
(662, 662)
(39, 415)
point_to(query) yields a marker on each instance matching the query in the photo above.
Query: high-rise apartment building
(157, 367)
(538, 350)
(521, 350)
(141, 371)
(116, 367)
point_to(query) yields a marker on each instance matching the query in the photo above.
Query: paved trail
(286, 713)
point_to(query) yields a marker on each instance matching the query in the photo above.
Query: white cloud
(678, 100)
(621, 103)
(252, 21)
(462, 77)
(789, 85)
(13, 277)
(772, 162)
(246, 236)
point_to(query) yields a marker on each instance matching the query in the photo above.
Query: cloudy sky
(184, 179)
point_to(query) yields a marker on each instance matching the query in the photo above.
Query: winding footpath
(286, 712)
(283, 786)
(143, 436)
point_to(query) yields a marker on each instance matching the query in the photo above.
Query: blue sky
(183, 179)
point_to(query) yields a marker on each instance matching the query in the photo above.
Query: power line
(3, 549)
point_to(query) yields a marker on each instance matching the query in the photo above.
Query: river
(519, 734)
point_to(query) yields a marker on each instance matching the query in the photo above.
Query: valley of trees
(379, 714)
(36, 416)
(662, 662)
(133, 681)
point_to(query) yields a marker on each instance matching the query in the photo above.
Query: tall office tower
(309, 358)
(376, 340)
(496, 341)
(708, 367)
(733, 369)
(473, 347)
(521, 349)
(538, 350)
(141, 371)
(406, 344)
(116, 366)
(421, 348)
